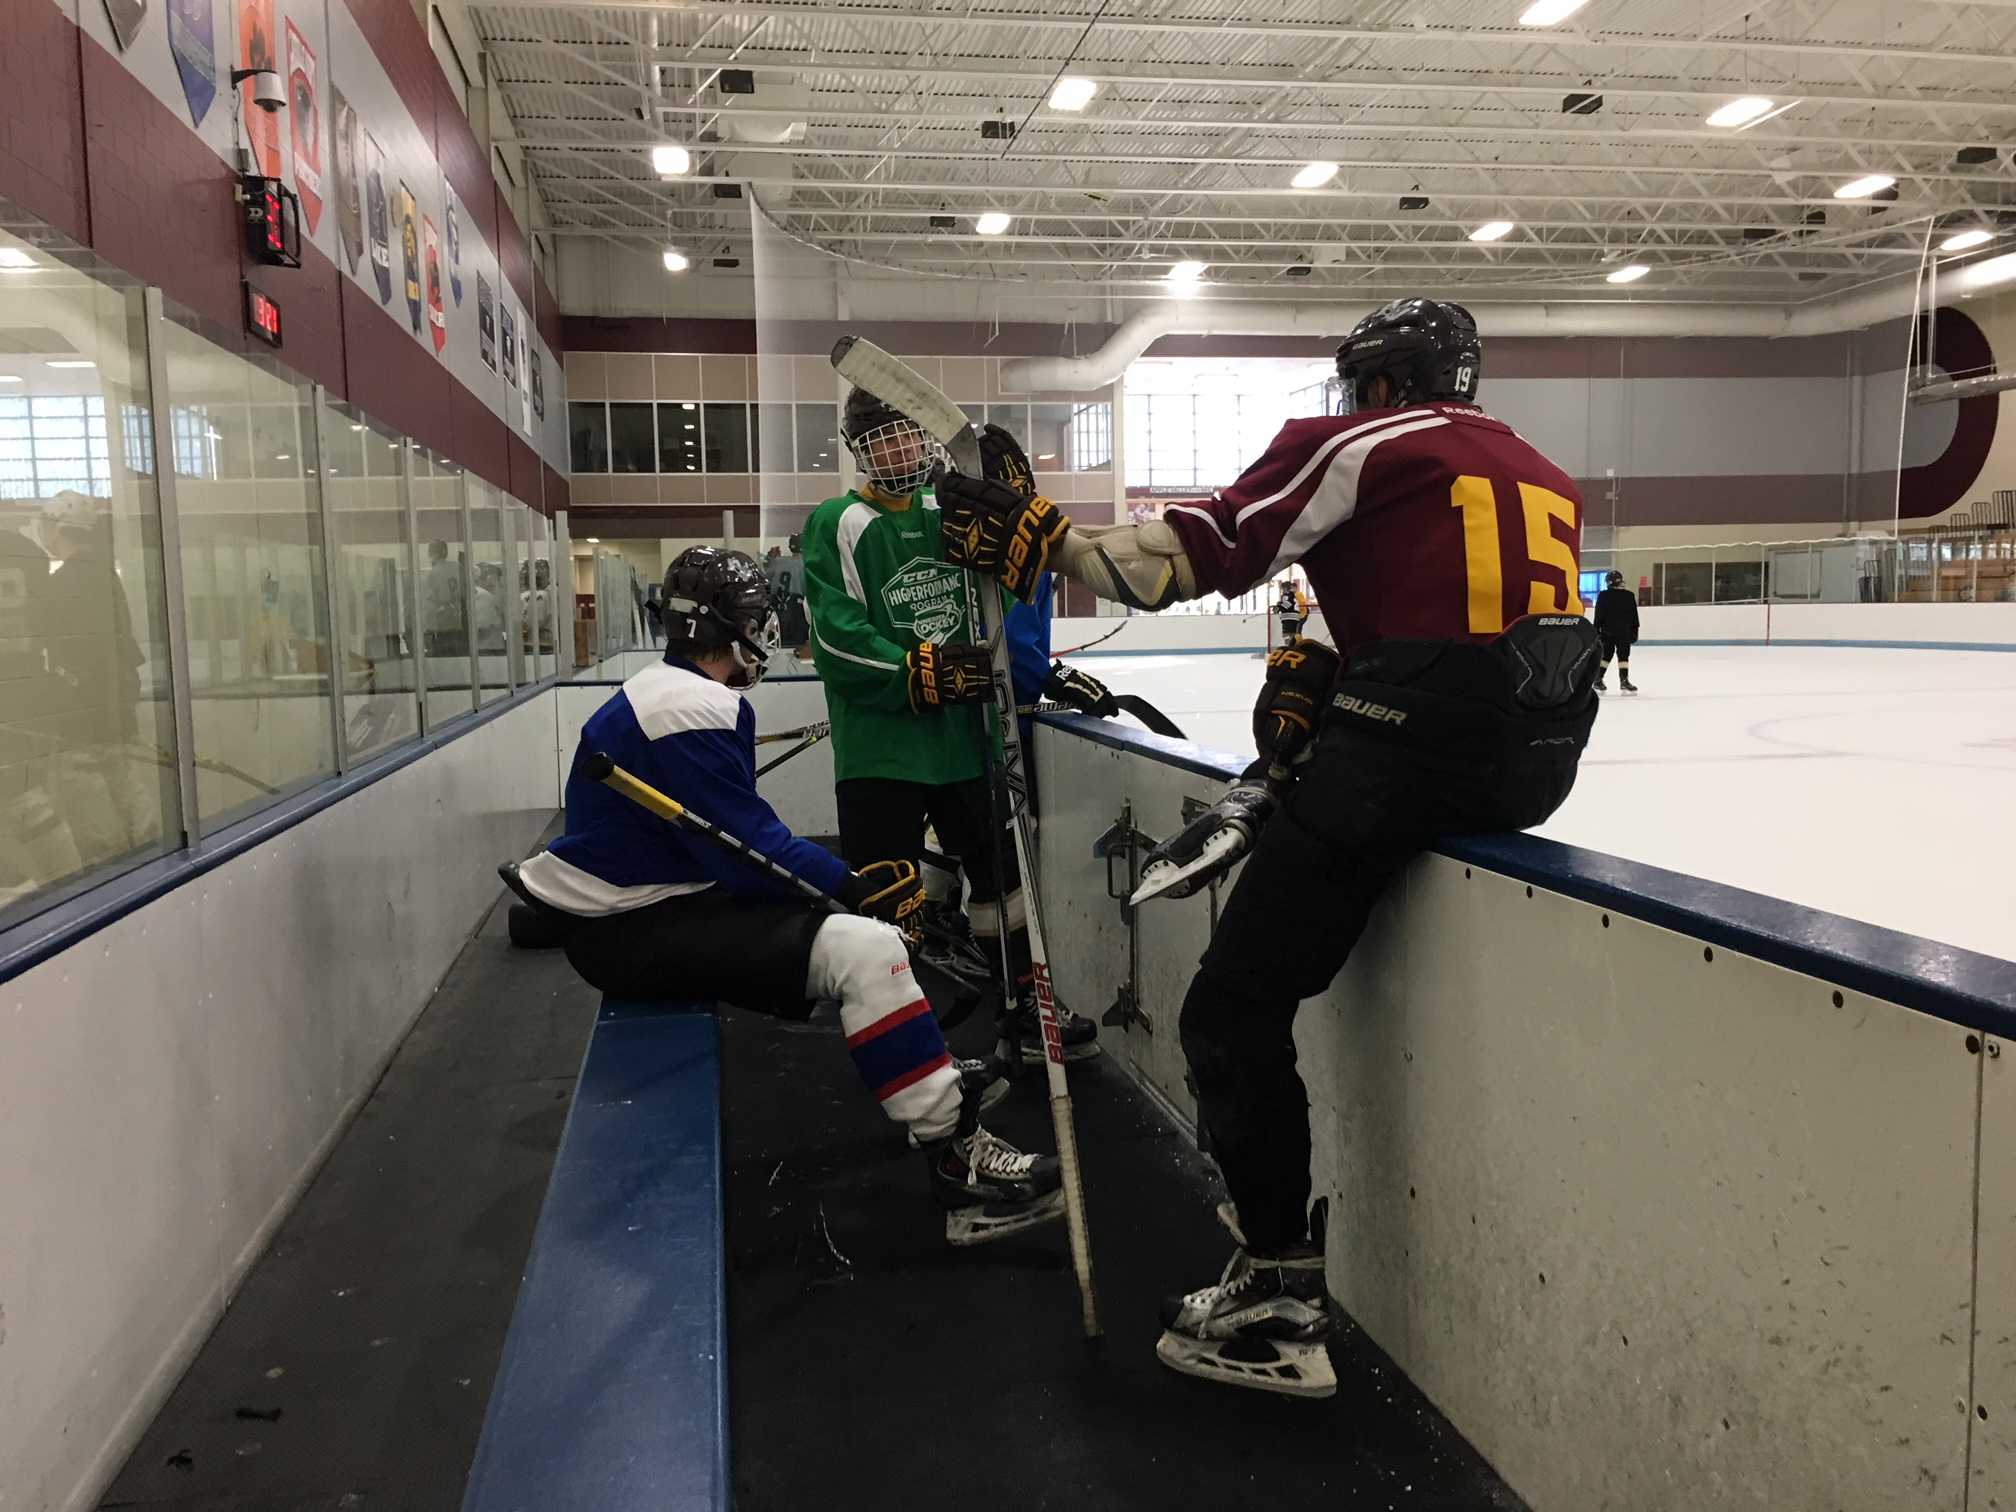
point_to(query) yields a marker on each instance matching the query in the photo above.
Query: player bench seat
(612, 1394)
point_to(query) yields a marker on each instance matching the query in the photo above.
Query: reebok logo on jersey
(1365, 709)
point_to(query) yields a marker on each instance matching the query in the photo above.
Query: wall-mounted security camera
(268, 93)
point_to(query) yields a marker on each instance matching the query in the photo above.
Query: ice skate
(1624, 683)
(989, 1188)
(1265, 1325)
(1602, 686)
(1022, 1034)
(945, 942)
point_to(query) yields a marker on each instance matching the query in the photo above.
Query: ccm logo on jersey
(1365, 709)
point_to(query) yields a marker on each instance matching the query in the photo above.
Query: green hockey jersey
(876, 584)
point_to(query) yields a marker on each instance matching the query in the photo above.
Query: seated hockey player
(907, 690)
(1617, 627)
(1443, 549)
(650, 908)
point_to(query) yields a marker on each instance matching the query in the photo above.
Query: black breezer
(883, 818)
(1423, 739)
(752, 952)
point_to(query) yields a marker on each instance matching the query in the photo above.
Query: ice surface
(1880, 785)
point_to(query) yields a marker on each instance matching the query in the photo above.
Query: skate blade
(984, 1223)
(1298, 1370)
(1181, 879)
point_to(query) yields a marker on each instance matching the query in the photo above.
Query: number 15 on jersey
(1539, 508)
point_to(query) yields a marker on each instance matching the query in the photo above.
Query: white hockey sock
(891, 1031)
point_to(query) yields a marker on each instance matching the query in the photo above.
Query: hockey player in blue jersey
(647, 908)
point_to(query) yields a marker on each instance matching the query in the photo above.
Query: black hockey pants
(1361, 809)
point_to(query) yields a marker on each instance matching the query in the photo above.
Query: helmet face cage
(897, 455)
(1614, 580)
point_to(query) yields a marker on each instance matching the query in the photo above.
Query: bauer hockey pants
(1358, 813)
(779, 956)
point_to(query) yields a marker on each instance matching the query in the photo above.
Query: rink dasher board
(1520, 1074)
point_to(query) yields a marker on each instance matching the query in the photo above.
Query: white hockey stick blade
(1164, 877)
(866, 365)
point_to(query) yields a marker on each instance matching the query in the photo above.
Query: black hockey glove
(891, 891)
(1081, 690)
(1300, 675)
(1003, 460)
(939, 675)
(1208, 845)
(1002, 532)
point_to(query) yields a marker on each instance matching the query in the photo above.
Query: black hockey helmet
(1614, 579)
(716, 599)
(1427, 348)
(888, 446)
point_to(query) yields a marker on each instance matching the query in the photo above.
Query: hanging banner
(437, 317)
(454, 245)
(256, 50)
(538, 383)
(409, 252)
(486, 324)
(304, 119)
(192, 38)
(349, 178)
(379, 215)
(125, 16)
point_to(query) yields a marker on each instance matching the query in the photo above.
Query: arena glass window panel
(633, 439)
(588, 437)
(725, 432)
(773, 438)
(679, 437)
(818, 427)
(372, 558)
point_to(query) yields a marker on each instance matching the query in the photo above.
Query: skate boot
(1625, 684)
(1602, 684)
(1265, 1325)
(984, 1078)
(989, 1188)
(945, 942)
(1022, 1033)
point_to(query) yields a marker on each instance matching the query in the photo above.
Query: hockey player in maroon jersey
(1443, 549)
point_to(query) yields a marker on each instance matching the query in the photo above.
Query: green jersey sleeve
(854, 658)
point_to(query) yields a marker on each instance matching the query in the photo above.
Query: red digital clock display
(262, 316)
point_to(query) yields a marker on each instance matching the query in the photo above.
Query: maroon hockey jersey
(1434, 522)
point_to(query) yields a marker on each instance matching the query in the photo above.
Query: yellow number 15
(1542, 507)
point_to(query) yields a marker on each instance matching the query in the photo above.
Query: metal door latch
(1122, 839)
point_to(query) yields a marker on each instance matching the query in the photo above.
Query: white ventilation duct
(1205, 317)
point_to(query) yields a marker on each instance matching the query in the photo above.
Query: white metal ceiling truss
(1204, 113)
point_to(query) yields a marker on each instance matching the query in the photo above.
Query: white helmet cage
(898, 456)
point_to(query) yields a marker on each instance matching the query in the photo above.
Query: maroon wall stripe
(557, 493)
(42, 118)
(481, 441)
(514, 252)
(462, 163)
(522, 466)
(388, 380)
(397, 35)
(1958, 345)
(546, 314)
(313, 314)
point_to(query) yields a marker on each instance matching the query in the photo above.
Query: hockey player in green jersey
(907, 689)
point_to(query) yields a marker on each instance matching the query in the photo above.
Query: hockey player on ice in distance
(647, 906)
(1443, 549)
(907, 690)
(1617, 626)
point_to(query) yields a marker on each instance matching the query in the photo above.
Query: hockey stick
(804, 745)
(804, 732)
(1056, 656)
(601, 767)
(867, 366)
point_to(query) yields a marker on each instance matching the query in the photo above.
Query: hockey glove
(1207, 846)
(1082, 691)
(1299, 678)
(1002, 532)
(891, 891)
(1003, 460)
(939, 675)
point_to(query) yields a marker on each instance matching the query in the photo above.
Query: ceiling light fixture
(10, 378)
(1629, 273)
(14, 260)
(1314, 175)
(1072, 92)
(1863, 188)
(1186, 272)
(676, 261)
(1996, 270)
(1966, 241)
(1492, 231)
(1550, 12)
(1742, 112)
(69, 363)
(993, 223)
(594, 540)
(670, 162)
